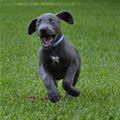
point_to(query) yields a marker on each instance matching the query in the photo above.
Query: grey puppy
(58, 59)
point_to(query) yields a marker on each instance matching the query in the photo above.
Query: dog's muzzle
(47, 40)
(47, 36)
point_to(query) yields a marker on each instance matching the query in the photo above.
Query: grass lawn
(96, 34)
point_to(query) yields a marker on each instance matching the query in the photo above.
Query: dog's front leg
(52, 91)
(69, 79)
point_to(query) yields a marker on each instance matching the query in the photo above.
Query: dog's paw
(54, 97)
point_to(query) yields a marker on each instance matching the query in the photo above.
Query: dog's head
(48, 26)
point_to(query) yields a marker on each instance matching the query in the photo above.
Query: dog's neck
(59, 38)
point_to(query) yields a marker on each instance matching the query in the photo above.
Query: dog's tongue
(47, 41)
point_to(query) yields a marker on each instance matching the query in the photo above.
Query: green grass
(96, 34)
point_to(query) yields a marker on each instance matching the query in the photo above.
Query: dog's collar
(59, 40)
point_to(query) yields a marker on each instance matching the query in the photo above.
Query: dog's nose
(43, 30)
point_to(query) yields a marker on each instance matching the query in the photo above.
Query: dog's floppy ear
(32, 27)
(66, 16)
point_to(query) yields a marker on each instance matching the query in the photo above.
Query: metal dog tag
(55, 59)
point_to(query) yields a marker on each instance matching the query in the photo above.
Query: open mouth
(47, 40)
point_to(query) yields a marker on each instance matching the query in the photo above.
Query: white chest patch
(55, 59)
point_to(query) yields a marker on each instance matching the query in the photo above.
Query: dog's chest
(55, 59)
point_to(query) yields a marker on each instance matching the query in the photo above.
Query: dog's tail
(70, 89)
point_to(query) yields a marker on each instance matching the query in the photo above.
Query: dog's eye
(52, 20)
(39, 21)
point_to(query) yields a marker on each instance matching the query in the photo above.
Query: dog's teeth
(48, 39)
